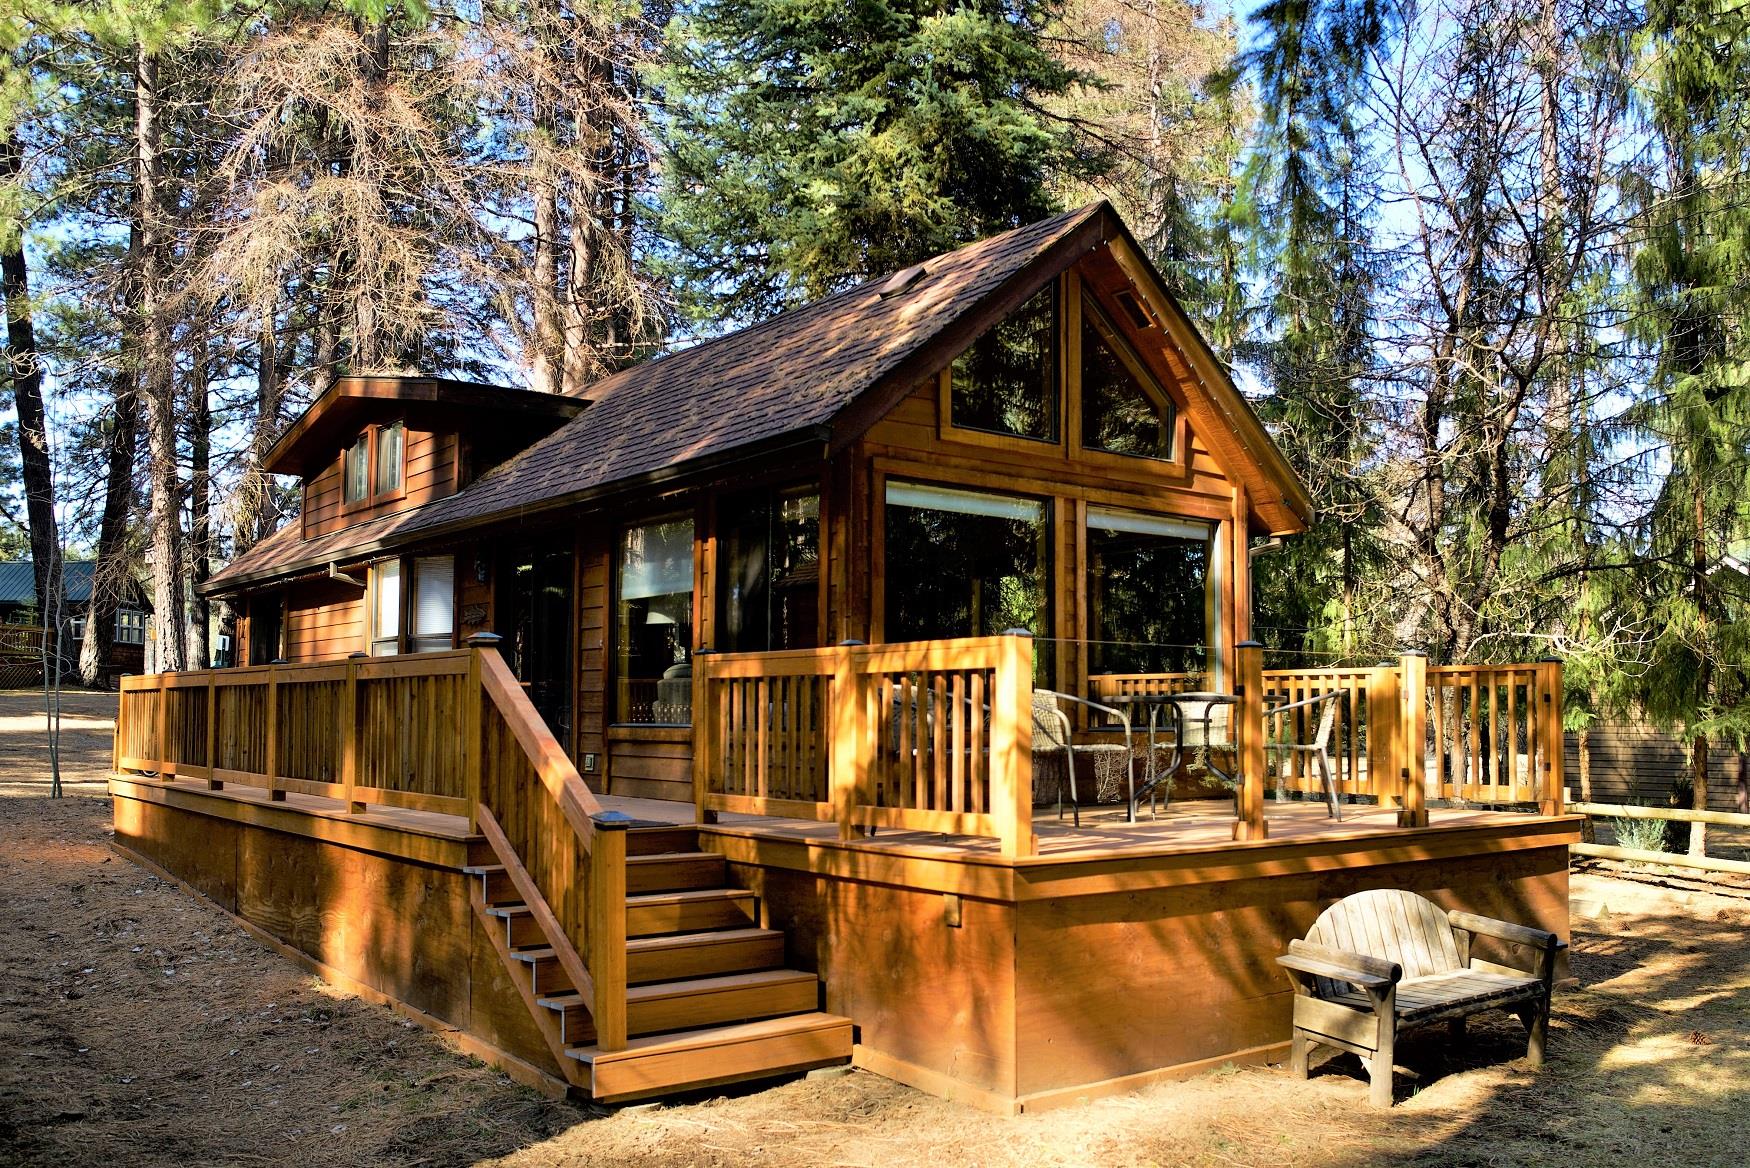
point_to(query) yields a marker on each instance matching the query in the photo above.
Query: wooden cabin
(681, 732)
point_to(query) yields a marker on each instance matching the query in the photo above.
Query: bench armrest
(1358, 969)
(1545, 943)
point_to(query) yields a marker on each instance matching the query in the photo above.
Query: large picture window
(1006, 382)
(1148, 593)
(653, 640)
(1123, 410)
(769, 571)
(966, 564)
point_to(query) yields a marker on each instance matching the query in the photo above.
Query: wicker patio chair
(1055, 752)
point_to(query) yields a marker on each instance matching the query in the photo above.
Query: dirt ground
(139, 1025)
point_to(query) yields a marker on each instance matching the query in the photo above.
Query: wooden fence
(1668, 815)
(447, 732)
(923, 736)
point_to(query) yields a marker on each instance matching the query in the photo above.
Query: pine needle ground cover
(142, 1025)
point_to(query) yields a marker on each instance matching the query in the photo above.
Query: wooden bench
(1383, 961)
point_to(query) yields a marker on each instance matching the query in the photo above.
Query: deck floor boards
(1192, 824)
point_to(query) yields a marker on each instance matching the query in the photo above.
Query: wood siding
(428, 475)
(324, 619)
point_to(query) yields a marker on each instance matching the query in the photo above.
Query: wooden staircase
(708, 1000)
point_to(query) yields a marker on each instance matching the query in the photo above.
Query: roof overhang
(310, 442)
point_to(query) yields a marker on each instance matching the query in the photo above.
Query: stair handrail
(600, 834)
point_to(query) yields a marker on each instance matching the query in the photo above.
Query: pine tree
(812, 144)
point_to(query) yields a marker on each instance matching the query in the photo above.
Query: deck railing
(936, 736)
(447, 732)
(924, 736)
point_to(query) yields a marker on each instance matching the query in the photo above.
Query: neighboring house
(20, 607)
(748, 777)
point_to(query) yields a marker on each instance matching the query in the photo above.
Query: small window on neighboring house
(355, 471)
(386, 608)
(78, 628)
(433, 615)
(1006, 381)
(1123, 410)
(130, 627)
(391, 440)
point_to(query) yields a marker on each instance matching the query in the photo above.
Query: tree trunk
(108, 573)
(200, 504)
(24, 368)
(1699, 581)
(156, 372)
(1583, 742)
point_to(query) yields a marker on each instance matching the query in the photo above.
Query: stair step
(495, 883)
(702, 1001)
(674, 871)
(546, 975)
(648, 914)
(712, 1057)
(521, 931)
(650, 841)
(687, 955)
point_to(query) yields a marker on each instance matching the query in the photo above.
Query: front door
(536, 598)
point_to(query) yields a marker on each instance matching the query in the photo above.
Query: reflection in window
(390, 441)
(355, 470)
(769, 594)
(654, 624)
(1123, 411)
(433, 618)
(966, 564)
(385, 608)
(1006, 382)
(1148, 579)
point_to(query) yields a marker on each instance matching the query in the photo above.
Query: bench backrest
(1393, 924)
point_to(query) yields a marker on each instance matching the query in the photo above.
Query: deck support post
(352, 741)
(1551, 769)
(706, 749)
(1249, 738)
(473, 710)
(606, 939)
(1412, 739)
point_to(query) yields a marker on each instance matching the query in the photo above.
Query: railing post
(272, 761)
(1413, 737)
(352, 745)
(705, 744)
(848, 760)
(1249, 738)
(1549, 711)
(1011, 744)
(121, 725)
(166, 764)
(213, 783)
(1384, 711)
(606, 942)
(473, 732)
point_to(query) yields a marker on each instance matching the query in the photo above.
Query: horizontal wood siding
(430, 474)
(324, 619)
(1637, 764)
(650, 762)
(593, 560)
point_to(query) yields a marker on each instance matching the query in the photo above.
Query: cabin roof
(18, 582)
(814, 377)
(310, 442)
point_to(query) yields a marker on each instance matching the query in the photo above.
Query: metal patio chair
(1317, 747)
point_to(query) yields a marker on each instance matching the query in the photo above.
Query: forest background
(1483, 266)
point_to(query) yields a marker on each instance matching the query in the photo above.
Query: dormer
(372, 446)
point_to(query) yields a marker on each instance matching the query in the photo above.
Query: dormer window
(1124, 411)
(371, 468)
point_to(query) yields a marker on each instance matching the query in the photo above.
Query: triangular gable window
(1006, 382)
(1123, 410)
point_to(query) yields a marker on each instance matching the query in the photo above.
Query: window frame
(1175, 469)
(947, 429)
(1146, 381)
(612, 673)
(374, 494)
(373, 593)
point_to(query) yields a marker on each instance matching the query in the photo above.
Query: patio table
(1175, 705)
